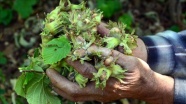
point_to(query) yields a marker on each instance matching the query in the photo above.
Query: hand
(139, 52)
(140, 82)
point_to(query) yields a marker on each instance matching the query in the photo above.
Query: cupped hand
(140, 81)
(140, 51)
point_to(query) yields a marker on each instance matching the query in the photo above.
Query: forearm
(180, 91)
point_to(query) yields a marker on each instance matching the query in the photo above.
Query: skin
(140, 81)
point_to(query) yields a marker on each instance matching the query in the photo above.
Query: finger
(76, 97)
(65, 88)
(61, 82)
(103, 30)
(85, 69)
(73, 96)
(124, 61)
(105, 52)
(62, 93)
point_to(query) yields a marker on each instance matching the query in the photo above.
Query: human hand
(140, 51)
(140, 81)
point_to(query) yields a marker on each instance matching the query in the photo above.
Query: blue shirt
(167, 55)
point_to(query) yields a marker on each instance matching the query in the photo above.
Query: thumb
(102, 30)
(84, 69)
(124, 61)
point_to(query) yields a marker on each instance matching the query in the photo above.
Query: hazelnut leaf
(55, 50)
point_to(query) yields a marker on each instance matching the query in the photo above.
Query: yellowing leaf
(55, 50)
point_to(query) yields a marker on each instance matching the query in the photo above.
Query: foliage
(2, 97)
(175, 28)
(127, 19)
(3, 59)
(5, 16)
(69, 30)
(6, 12)
(60, 46)
(109, 7)
(2, 76)
(24, 7)
(34, 87)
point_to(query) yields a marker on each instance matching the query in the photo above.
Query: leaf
(19, 87)
(55, 50)
(2, 91)
(39, 93)
(126, 19)
(35, 88)
(2, 76)
(107, 7)
(36, 52)
(3, 100)
(5, 16)
(38, 68)
(175, 28)
(28, 77)
(24, 7)
(22, 82)
(35, 64)
(3, 59)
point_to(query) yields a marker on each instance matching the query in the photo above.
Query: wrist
(163, 90)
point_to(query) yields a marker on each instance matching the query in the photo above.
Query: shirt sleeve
(179, 91)
(167, 55)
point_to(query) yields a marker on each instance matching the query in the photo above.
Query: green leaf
(19, 87)
(55, 50)
(24, 7)
(175, 28)
(3, 59)
(126, 19)
(109, 7)
(2, 76)
(3, 100)
(36, 52)
(22, 82)
(39, 93)
(5, 16)
(28, 77)
(2, 91)
(34, 87)
(35, 64)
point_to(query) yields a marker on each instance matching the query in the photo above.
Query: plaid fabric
(167, 55)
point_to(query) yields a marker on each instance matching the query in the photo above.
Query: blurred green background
(21, 23)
